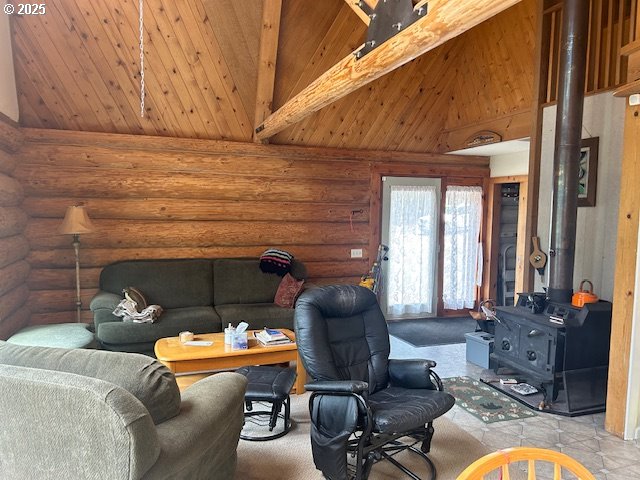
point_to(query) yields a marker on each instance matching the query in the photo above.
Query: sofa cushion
(170, 324)
(144, 377)
(242, 281)
(257, 315)
(168, 283)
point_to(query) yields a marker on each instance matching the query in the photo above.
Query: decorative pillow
(275, 261)
(135, 295)
(288, 291)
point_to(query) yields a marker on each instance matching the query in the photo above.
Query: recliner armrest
(338, 386)
(412, 373)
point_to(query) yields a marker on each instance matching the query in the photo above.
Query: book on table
(269, 336)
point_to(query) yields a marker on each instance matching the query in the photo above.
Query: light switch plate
(356, 253)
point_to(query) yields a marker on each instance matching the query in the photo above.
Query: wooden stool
(271, 385)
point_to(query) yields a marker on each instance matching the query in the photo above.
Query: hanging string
(141, 58)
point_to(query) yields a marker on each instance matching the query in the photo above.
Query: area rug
(289, 457)
(484, 402)
(425, 332)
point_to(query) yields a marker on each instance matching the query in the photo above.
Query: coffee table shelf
(180, 358)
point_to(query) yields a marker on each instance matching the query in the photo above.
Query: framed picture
(588, 172)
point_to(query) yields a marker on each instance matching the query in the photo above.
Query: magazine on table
(270, 336)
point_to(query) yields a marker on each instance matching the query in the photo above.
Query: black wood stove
(555, 347)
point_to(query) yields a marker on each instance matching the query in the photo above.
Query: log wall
(14, 269)
(152, 197)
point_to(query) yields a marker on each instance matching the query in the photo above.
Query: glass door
(410, 226)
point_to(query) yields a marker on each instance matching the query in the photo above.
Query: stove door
(507, 338)
(537, 348)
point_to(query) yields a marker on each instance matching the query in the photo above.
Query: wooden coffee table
(180, 358)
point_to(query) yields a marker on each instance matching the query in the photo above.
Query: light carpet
(289, 457)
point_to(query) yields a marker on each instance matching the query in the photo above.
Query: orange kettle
(583, 296)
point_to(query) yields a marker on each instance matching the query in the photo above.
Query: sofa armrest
(201, 441)
(102, 305)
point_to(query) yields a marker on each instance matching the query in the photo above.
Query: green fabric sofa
(92, 414)
(198, 295)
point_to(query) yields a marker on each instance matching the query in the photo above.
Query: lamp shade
(76, 221)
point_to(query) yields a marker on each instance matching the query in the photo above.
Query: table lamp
(76, 221)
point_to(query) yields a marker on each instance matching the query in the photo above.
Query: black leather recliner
(343, 342)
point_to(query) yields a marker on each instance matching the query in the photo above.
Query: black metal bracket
(388, 19)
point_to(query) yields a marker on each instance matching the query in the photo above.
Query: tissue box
(239, 341)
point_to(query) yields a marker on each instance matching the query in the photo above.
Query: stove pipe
(575, 24)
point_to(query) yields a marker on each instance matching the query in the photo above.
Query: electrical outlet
(356, 253)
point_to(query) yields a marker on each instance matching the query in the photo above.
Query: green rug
(484, 402)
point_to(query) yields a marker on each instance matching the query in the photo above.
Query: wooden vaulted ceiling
(77, 68)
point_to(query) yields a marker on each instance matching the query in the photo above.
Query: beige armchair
(106, 415)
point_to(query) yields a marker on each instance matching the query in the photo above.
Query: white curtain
(462, 218)
(413, 230)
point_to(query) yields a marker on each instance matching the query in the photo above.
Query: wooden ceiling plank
(222, 69)
(183, 75)
(103, 80)
(161, 117)
(56, 72)
(297, 41)
(333, 41)
(162, 66)
(425, 97)
(47, 93)
(270, 32)
(33, 108)
(65, 31)
(115, 80)
(236, 28)
(353, 5)
(157, 78)
(446, 20)
(226, 109)
(126, 71)
(406, 84)
(199, 76)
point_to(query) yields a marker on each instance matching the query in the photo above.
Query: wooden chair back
(499, 462)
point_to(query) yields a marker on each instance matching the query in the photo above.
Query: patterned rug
(484, 402)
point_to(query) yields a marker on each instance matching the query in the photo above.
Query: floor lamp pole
(76, 249)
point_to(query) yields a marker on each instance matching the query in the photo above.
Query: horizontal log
(13, 221)
(337, 269)
(65, 316)
(318, 282)
(11, 192)
(10, 135)
(14, 322)
(62, 278)
(45, 301)
(13, 300)
(142, 161)
(114, 234)
(179, 209)
(83, 183)
(7, 162)
(13, 276)
(215, 147)
(98, 257)
(65, 278)
(13, 249)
